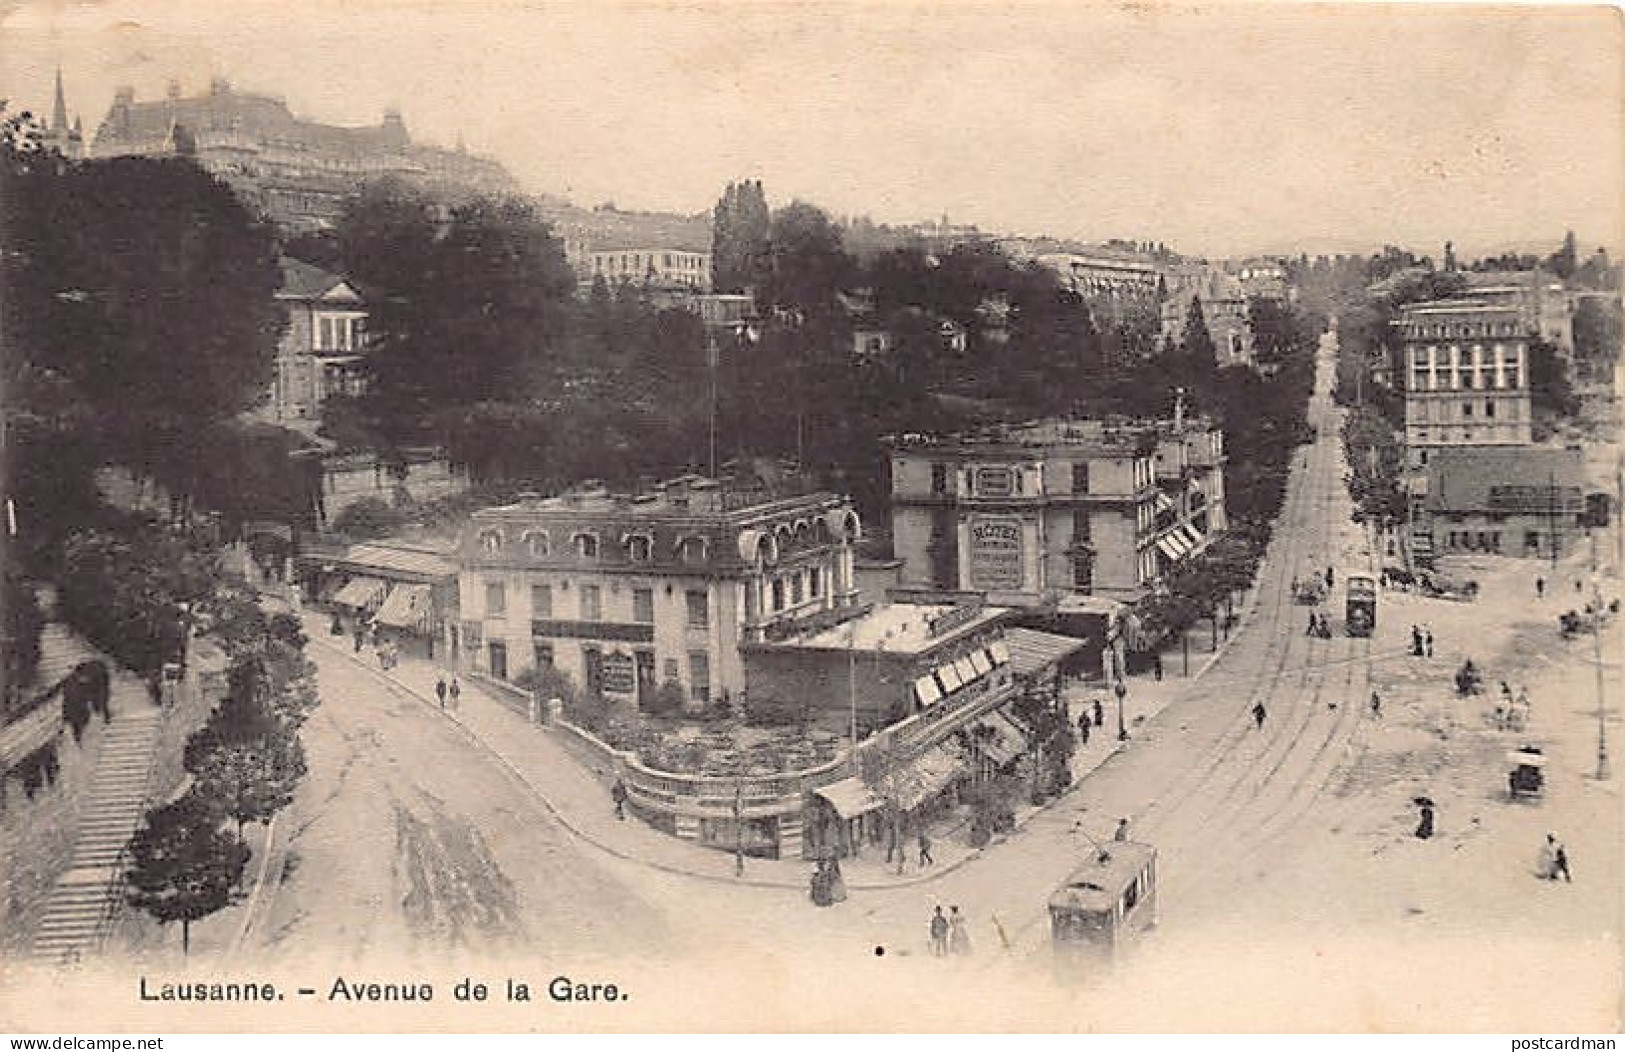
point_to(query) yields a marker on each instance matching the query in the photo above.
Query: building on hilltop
(1029, 515)
(59, 135)
(297, 173)
(624, 594)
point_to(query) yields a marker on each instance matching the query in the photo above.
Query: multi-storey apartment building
(1060, 508)
(624, 594)
(1467, 376)
(321, 350)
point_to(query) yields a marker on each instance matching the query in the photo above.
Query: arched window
(639, 547)
(585, 545)
(537, 543)
(691, 550)
(490, 541)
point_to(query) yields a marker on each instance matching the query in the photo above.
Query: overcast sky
(1219, 130)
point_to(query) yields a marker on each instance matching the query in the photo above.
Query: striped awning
(1169, 549)
(849, 797)
(1165, 502)
(1191, 534)
(406, 607)
(927, 776)
(360, 592)
(1000, 738)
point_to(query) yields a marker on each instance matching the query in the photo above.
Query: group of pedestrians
(1089, 720)
(896, 848)
(453, 690)
(1421, 641)
(1512, 712)
(949, 934)
(1319, 625)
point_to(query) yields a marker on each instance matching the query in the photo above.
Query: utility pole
(1551, 515)
(711, 362)
(1596, 644)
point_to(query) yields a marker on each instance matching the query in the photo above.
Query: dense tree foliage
(739, 238)
(461, 303)
(182, 866)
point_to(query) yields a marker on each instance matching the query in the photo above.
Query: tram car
(1105, 903)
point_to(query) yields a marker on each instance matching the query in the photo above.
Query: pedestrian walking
(1376, 705)
(1294, 584)
(440, 690)
(925, 851)
(1100, 714)
(1424, 828)
(1122, 830)
(1314, 624)
(617, 793)
(958, 933)
(1259, 714)
(1156, 666)
(1540, 588)
(456, 692)
(1416, 641)
(1329, 577)
(359, 634)
(1560, 859)
(939, 933)
(1427, 641)
(892, 844)
(1083, 728)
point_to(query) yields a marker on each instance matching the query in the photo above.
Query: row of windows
(1500, 328)
(639, 547)
(1007, 481)
(590, 603)
(1444, 412)
(627, 262)
(1487, 540)
(795, 588)
(338, 333)
(592, 661)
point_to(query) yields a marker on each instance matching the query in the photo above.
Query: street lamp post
(739, 829)
(1603, 772)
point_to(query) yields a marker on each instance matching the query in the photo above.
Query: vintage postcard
(805, 517)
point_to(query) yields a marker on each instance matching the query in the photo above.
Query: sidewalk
(579, 797)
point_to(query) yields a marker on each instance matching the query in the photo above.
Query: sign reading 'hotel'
(995, 554)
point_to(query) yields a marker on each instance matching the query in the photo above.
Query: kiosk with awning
(360, 593)
(406, 607)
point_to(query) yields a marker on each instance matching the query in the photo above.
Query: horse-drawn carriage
(1526, 777)
(1441, 586)
(1310, 591)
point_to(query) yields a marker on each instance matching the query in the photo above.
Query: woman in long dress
(958, 934)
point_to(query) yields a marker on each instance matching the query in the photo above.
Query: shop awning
(1192, 534)
(927, 776)
(406, 607)
(1000, 738)
(849, 797)
(1031, 650)
(360, 592)
(926, 689)
(1165, 502)
(1168, 548)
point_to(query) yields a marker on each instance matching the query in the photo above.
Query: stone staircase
(86, 895)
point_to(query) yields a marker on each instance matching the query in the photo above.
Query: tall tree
(146, 285)
(807, 263)
(739, 237)
(1196, 341)
(462, 302)
(183, 865)
(1566, 259)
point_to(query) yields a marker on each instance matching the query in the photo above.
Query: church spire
(59, 109)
